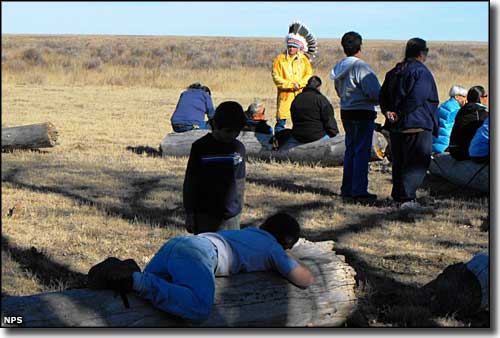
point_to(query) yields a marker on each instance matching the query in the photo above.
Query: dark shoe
(113, 274)
(366, 197)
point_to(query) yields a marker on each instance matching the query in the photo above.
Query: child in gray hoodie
(358, 88)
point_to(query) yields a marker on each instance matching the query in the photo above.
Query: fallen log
(328, 152)
(33, 136)
(467, 173)
(261, 299)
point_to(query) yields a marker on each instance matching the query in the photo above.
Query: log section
(324, 152)
(33, 136)
(261, 299)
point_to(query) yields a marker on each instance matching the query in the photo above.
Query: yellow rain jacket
(288, 70)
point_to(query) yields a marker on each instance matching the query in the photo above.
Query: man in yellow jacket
(291, 71)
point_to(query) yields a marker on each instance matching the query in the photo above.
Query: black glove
(113, 274)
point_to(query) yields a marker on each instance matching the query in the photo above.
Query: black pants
(411, 156)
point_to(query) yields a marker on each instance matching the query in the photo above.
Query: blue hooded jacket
(447, 113)
(192, 106)
(409, 90)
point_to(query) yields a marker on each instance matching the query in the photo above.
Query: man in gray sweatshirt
(358, 88)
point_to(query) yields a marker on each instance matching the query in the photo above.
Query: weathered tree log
(468, 174)
(261, 299)
(33, 136)
(328, 152)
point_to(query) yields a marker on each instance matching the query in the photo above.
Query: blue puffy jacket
(447, 113)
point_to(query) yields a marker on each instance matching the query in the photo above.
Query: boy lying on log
(180, 278)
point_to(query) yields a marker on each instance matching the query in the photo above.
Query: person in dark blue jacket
(409, 100)
(214, 184)
(193, 104)
(447, 113)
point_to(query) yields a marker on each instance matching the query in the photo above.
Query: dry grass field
(104, 190)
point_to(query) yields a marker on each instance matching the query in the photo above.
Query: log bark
(261, 299)
(468, 174)
(33, 136)
(324, 152)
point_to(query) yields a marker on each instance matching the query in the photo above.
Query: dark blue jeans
(411, 157)
(180, 128)
(358, 148)
(280, 125)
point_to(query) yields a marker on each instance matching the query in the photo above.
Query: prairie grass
(104, 190)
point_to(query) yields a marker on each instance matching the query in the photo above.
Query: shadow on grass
(290, 186)
(48, 272)
(141, 150)
(132, 207)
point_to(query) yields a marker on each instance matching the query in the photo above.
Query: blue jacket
(480, 144)
(446, 113)
(409, 90)
(192, 106)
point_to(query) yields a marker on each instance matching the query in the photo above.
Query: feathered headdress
(300, 37)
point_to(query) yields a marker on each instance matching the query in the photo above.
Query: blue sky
(445, 21)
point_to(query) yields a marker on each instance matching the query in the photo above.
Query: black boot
(113, 274)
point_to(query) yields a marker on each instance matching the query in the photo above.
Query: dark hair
(351, 42)
(415, 47)
(475, 93)
(284, 228)
(229, 114)
(314, 82)
(198, 85)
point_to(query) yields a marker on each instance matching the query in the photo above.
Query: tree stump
(33, 136)
(262, 299)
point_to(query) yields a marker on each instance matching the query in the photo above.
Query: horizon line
(222, 36)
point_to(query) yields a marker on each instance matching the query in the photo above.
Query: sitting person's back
(256, 119)
(312, 114)
(479, 150)
(191, 108)
(447, 113)
(469, 118)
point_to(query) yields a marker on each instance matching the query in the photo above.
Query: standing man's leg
(398, 152)
(347, 175)
(418, 161)
(180, 278)
(362, 155)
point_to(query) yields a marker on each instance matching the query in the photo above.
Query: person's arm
(369, 83)
(190, 187)
(210, 107)
(301, 276)
(328, 118)
(279, 80)
(291, 268)
(308, 72)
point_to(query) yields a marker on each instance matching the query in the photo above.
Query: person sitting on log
(312, 116)
(447, 113)
(180, 278)
(193, 104)
(469, 118)
(256, 119)
(479, 149)
(461, 289)
(214, 183)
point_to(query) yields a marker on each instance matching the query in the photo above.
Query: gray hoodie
(356, 84)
